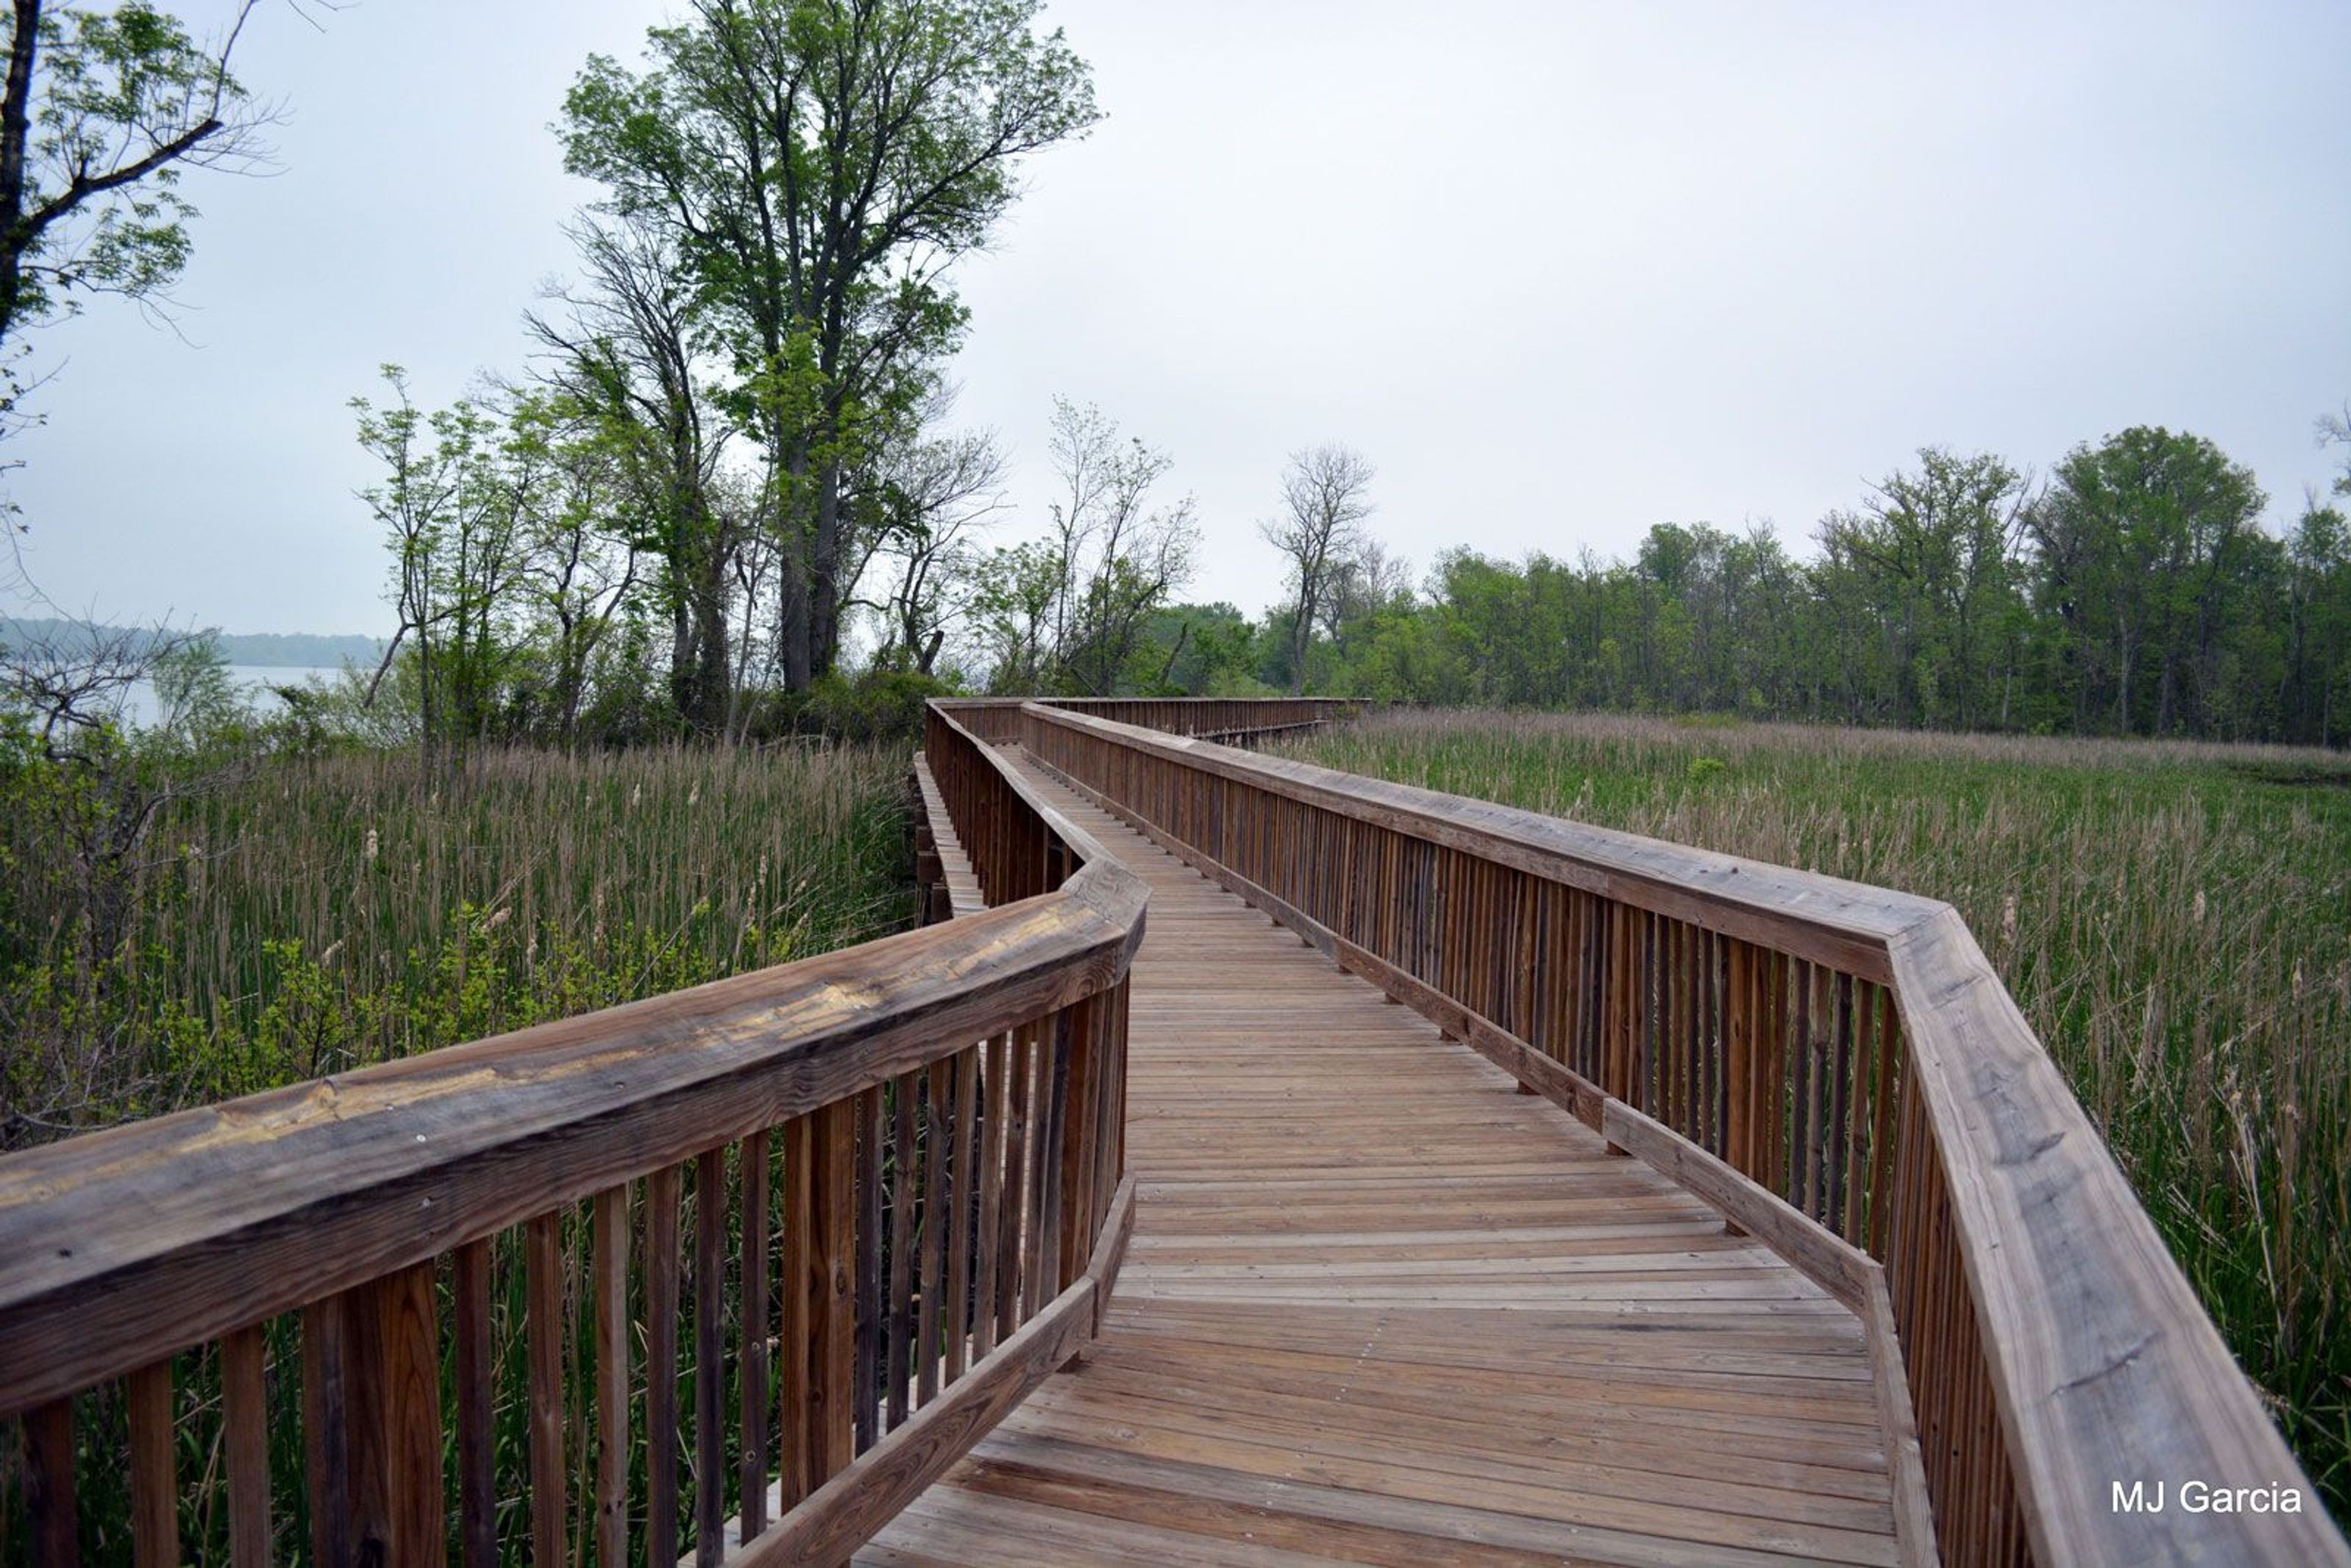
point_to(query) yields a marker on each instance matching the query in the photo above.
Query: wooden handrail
(1845, 1053)
(860, 1204)
(1214, 718)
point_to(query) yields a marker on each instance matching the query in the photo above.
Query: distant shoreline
(257, 650)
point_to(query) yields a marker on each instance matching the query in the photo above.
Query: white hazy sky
(1562, 271)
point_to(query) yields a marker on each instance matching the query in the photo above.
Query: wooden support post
(49, 1483)
(393, 1406)
(543, 1282)
(751, 1330)
(245, 1401)
(477, 1530)
(325, 1422)
(1080, 1129)
(154, 1478)
(819, 1350)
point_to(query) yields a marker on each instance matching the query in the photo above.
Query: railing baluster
(325, 1426)
(1014, 1218)
(1891, 1088)
(933, 1232)
(49, 1484)
(960, 1175)
(477, 1530)
(394, 1405)
(873, 1308)
(1841, 1069)
(710, 1476)
(154, 1479)
(610, 1275)
(1047, 1129)
(244, 1413)
(832, 1309)
(794, 1371)
(547, 1337)
(996, 1112)
(899, 1363)
(751, 1330)
(1072, 1189)
(662, 1200)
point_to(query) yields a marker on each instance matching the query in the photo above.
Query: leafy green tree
(1934, 553)
(100, 113)
(1202, 651)
(2315, 695)
(2143, 547)
(818, 164)
(1014, 591)
(622, 364)
(454, 503)
(930, 497)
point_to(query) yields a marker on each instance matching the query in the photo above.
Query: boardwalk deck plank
(1380, 1308)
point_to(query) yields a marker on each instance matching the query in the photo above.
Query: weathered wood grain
(1839, 1058)
(477, 1527)
(154, 1481)
(1842, 924)
(244, 1413)
(127, 1245)
(547, 1334)
(1331, 1270)
(751, 1420)
(2106, 1367)
(858, 1503)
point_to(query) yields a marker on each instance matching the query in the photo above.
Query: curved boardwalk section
(1379, 1307)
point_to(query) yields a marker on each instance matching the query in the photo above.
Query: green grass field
(323, 913)
(319, 914)
(2175, 920)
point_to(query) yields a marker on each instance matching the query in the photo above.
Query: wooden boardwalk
(1381, 1308)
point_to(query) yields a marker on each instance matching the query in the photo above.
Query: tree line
(2134, 591)
(727, 482)
(730, 442)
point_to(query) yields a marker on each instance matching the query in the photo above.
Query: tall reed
(2175, 920)
(330, 911)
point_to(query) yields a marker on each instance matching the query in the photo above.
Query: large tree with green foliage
(2143, 543)
(101, 112)
(818, 164)
(1931, 557)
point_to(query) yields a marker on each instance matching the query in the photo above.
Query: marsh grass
(324, 914)
(2175, 920)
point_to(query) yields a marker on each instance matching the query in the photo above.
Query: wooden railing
(1839, 1068)
(1232, 720)
(736, 1270)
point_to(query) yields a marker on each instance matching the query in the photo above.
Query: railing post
(1620, 1018)
(393, 1394)
(1081, 1128)
(820, 1311)
(48, 1458)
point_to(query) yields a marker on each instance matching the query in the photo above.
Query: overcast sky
(1561, 271)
